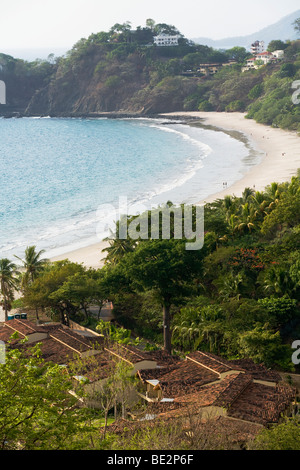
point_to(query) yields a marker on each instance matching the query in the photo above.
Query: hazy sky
(60, 23)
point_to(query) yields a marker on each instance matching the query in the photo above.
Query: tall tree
(8, 283)
(167, 268)
(41, 292)
(33, 263)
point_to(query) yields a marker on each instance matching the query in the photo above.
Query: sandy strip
(280, 148)
(280, 162)
(90, 256)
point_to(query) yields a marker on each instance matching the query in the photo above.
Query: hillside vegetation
(238, 296)
(123, 71)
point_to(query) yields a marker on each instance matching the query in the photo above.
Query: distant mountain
(283, 30)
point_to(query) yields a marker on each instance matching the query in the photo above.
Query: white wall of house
(164, 40)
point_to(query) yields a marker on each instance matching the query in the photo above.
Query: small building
(279, 54)
(209, 69)
(266, 57)
(263, 58)
(164, 40)
(257, 47)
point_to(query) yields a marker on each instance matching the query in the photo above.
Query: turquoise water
(59, 176)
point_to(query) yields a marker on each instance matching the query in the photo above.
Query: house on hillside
(279, 54)
(164, 40)
(263, 58)
(211, 69)
(257, 47)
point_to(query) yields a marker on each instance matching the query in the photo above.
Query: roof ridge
(74, 337)
(230, 382)
(210, 356)
(133, 350)
(10, 325)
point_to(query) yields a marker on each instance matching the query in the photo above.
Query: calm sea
(58, 177)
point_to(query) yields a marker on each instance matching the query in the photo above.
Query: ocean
(60, 178)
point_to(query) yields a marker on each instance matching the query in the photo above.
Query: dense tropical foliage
(238, 296)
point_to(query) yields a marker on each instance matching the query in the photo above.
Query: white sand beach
(90, 256)
(280, 148)
(281, 159)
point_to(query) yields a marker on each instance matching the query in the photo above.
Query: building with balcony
(263, 58)
(163, 40)
(257, 47)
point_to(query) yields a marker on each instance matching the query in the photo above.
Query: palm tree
(260, 204)
(247, 218)
(247, 194)
(187, 334)
(8, 283)
(277, 282)
(33, 264)
(229, 287)
(273, 192)
(230, 205)
(117, 249)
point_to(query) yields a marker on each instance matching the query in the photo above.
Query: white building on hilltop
(257, 47)
(263, 58)
(166, 40)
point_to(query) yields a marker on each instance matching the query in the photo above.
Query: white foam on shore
(80, 230)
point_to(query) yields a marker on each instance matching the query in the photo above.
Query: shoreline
(280, 162)
(90, 256)
(280, 149)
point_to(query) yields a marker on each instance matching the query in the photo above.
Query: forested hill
(123, 71)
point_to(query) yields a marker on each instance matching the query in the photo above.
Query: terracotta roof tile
(262, 403)
(212, 362)
(24, 327)
(72, 340)
(257, 371)
(6, 333)
(129, 353)
(163, 358)
(51, 350)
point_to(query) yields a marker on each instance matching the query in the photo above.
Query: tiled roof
(212, 362)
(261, 403)
(53, 351)
(163, 358)
(129, 353)
(98, 367)
(6, 333)
(198, 382)
(176, 379)
(234, 385)
(72, 340)
(234, 433)
(59, 344)
(23, 327)
(188, 376)
(265, 53)
(257, 371)
(221, 393)
(150, 374)
(203, 379)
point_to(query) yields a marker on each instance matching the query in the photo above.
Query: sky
(54, 24)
